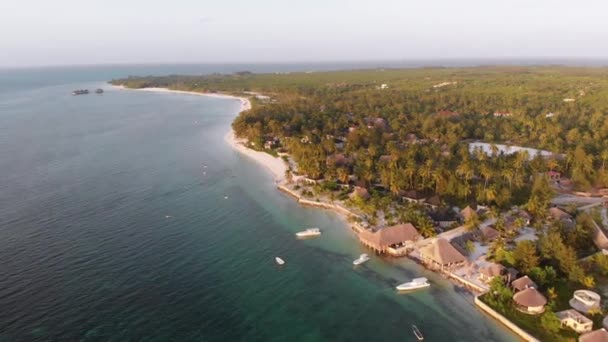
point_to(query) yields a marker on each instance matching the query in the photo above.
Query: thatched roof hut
(558, 214)
(441, 253)
(530, 301)
(523, 283)
(394, 236)
(467, 213)
(488, 233)
(360, 192)
(491, 270)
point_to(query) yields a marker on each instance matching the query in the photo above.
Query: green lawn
(531, 324)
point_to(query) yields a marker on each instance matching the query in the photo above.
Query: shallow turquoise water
(88, 253)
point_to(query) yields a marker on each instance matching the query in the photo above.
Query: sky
(65, 32)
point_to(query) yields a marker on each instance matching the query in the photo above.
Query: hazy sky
(43, 32)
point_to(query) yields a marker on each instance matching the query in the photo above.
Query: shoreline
(277, 168)
(245, 103)
(275, 165)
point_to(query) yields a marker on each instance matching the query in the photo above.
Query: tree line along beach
(461, 155)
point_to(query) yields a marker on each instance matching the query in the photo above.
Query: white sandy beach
(275, 165)
(245, 103)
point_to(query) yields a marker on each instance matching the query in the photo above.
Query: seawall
(502, 319)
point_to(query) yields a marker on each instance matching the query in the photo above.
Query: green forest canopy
(413, 132)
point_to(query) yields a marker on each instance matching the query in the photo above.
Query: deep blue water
(113, 229)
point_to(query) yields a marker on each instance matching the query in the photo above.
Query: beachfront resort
(483, 175)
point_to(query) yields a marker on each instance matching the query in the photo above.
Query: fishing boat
(414, 284)
(80, 92)
(309, 232)
(279, 261)
(361, 259)
(417, 333)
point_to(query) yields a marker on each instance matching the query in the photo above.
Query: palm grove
(413, 133)
(395, 131)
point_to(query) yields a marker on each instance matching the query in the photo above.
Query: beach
(334, 239)
(273, 164)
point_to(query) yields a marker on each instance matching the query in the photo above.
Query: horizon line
(506, 62)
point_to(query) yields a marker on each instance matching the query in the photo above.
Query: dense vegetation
(412, 133)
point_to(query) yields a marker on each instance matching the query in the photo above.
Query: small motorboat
(99, 91)
(417, 333)
(361, 259)
(414, 284)
(279, 261)
(309, 232)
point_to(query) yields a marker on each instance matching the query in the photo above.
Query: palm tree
(289, 176)
(343, 175)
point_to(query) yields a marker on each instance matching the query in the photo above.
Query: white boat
(416, 283)
(361, 259)
(279, 261)
(417, 333)
(309, 232)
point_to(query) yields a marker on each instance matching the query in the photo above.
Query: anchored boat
(417, 333)
(80, 92)
(361, 259)
(309, 232)
(416, 283)
(279, 261)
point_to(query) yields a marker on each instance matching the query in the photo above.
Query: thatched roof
(489, 233)
(360, 192)
(559, 214)
(442, 252)
(523, 283)
(390, 235)
(530, 297)
(467, 213)
(412, 194)
(600, 335)
(434, 200)
(492, 270)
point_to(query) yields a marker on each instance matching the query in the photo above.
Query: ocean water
(115, 226)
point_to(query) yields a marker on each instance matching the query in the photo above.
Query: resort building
(395, 240)
(558, 214)
(600, 335)
(575, 320)
(487, 234)
(554, 175)
(530, 301)
(523, 283)
(441, 254)
(467, 213)
(412, 196)
(585, 301)
(491, 271)
(434, 202)
(360, 192)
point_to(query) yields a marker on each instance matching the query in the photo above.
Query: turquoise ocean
(115, 226)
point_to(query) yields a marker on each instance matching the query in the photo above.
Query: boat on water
(279, 261)
(414, 284)
(99, 91)
(309, 232)
(417, 333)
(80, 92)
(361, 259)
